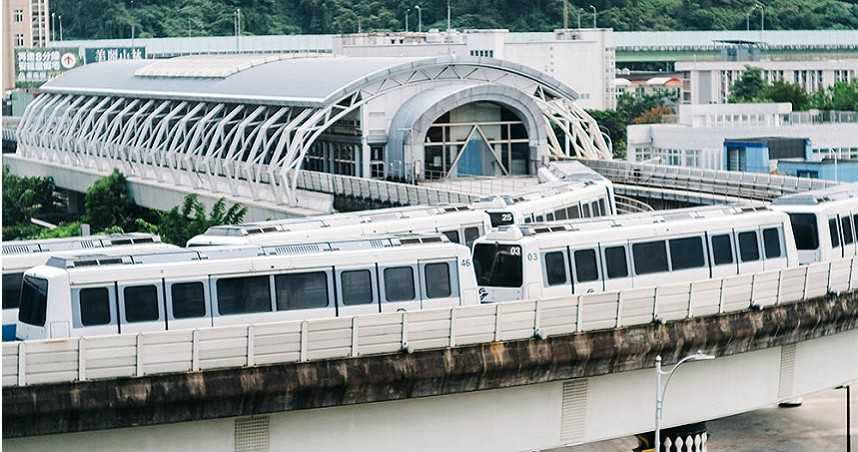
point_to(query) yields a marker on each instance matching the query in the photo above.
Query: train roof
(244, 251)
(76, 243)
(647, 218)
(840, 192)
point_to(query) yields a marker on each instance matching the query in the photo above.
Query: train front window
(498, 265)
(500, 218)
(804, 230)
(12, 289)
(34, 301)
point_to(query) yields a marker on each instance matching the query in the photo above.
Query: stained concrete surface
(819, 424)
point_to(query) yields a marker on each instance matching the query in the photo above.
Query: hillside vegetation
(93, 19)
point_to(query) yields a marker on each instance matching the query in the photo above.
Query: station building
(238, 122)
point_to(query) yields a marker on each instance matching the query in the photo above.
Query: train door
(750, 257)
(188, 303)
(834, 235)
(774, 248)
(722, 256)
(439, 282)
(616, 257)
(141, 306)
(586, 270)
(399, 287)
(848, 235)
(357, 290)
(94, 310)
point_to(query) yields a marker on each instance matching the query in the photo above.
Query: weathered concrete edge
(158, 399)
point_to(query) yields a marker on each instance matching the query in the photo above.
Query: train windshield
(500, 218)
(498, 265)
(34, 301)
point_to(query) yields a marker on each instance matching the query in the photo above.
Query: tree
(749, 87)
(109, 203)
(183, 222)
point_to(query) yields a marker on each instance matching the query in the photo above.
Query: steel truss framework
(253, 150)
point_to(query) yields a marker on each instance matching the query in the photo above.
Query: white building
(710, 82)
(581, 58)
(697, 137)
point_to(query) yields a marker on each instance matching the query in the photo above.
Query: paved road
(818, 425)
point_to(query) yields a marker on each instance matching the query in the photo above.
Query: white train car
(823, 222)
(20, 256)
(460, 223)
(553, 201)
(640, 250)
(93, 295)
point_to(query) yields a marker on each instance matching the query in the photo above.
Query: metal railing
(763, 187)
(104, 357)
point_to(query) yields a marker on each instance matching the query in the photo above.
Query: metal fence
(757, 186)
(102, 357)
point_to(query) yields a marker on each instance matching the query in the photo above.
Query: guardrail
(763, 187)
(118, 356)
(380, 190)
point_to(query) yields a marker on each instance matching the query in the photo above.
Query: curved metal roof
(283, 80)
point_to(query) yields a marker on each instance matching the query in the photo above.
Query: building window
(19, 40)
(19, 16)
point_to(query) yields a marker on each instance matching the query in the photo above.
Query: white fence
(731, 183)
(100, 357)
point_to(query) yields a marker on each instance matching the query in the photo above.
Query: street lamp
(659, 390)
(419, 18)
(594, 15)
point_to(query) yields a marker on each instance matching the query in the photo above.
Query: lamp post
(419, 18)
(659, 390)
(594, 15)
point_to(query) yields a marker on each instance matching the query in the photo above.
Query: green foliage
(183, 222)
(27, 197)
(109, 203)
(160, 18)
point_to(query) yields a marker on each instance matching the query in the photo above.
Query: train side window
(555, 268)
(586, 211)
(399, 284)
(772, 243)
(804, 230)
(94, 306)
(12, 289)
(686, 253)
(560, 214)
(832, 231)
(141, 303)
(650, 257)
(437, 277)
(453, 236)
(188, 300)
(356, 287)
(615, 261)
(573, 212)
(602, 207)
(585, 266)
(301, 290)
(549, 216)
(243, 295)
(846, 225)
(473, 233)
(749, 247)
(722, 249)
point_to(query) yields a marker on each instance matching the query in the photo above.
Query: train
(640, 250)
(824, 222)
(87, 295)
(20, 256)
(461, 223)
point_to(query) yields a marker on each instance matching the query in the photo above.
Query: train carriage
(641, 250)
(91, 295)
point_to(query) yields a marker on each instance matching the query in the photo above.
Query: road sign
(36, 65)
(99, 54)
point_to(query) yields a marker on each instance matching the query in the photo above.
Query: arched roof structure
(246, 122)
